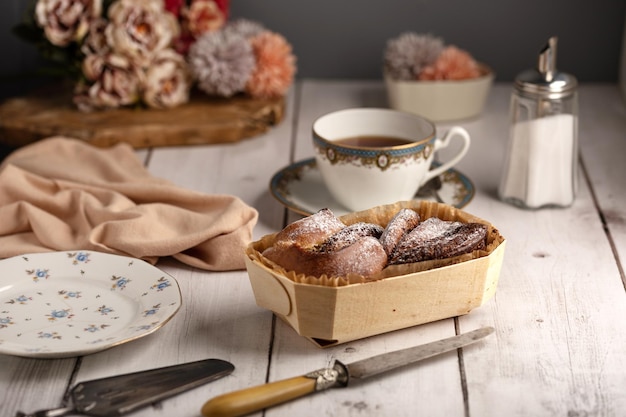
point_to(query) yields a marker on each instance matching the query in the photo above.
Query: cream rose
(167, 82)
(66, 21)
(115, 82)
(95, 41)
(140, 29)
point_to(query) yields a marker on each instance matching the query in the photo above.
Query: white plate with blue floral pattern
(64, 304)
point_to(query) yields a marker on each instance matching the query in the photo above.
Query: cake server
(248, 400)
(121, 394)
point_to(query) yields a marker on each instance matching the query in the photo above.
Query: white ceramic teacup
(391, 160)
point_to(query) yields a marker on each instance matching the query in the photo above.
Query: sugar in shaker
(541, 166)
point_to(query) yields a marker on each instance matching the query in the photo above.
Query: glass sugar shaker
(541, 166)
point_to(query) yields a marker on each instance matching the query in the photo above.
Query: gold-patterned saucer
(300, 188)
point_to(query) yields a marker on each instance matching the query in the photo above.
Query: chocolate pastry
(438, 239)
(311, 230)
(402, 223)
(349, 235)
(322, 245)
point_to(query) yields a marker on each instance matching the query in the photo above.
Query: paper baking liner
(381, 215)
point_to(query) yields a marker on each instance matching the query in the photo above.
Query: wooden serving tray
(203, 120)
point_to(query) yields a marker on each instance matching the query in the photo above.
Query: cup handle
(444, 142)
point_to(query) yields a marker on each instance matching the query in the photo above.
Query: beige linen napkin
(64, 194)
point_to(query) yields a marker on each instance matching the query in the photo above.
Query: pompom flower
(221, 62)
(406, 55)
(452, 64)
(66, 21)
(275, 66)
(167, 81)
(244, 27)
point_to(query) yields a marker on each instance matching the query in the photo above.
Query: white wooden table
(559, 310)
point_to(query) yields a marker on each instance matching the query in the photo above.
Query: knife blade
(252, 399)
(121, 394)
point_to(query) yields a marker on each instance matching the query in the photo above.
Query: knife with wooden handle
(253, 399)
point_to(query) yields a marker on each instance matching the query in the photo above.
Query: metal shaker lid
(545, 81)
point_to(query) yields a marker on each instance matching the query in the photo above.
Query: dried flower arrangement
(412, 56)
(153, 52)
(442, 82)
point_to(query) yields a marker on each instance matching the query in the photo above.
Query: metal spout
(547, 59)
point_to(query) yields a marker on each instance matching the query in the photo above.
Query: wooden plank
(203, 120)
(243, 169)
(219, 317)
(33, 384)
(559, 347)
(404, 392)
(558, 309)
(603, 146)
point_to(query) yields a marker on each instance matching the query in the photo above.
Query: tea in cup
(373, 156)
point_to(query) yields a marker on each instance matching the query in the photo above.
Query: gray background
(346, 38)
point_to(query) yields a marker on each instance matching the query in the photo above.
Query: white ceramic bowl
(441, 100)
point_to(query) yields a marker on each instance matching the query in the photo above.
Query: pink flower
(452, 64)
(275, 66)
(66, 21)
(203, 16)
(114, 82)
(140, 29)
(167, 82)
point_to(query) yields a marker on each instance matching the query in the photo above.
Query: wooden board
(203, 120)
